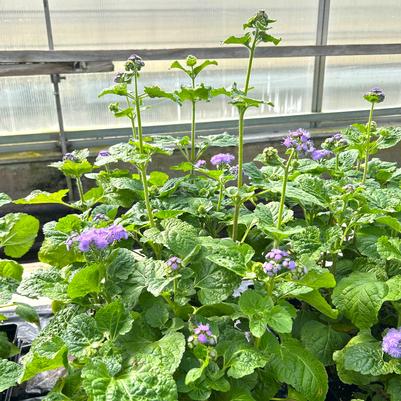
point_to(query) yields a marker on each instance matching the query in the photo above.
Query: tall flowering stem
(375, 95)
(368, 133)
(284, 189)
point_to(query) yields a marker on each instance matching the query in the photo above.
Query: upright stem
(193, 156)
(138, 114)
(80, 190)
(220, 198)
(283, 191)
(250, 62)
(132, 120)
(237, 205)
(365, 167)
(142, 168)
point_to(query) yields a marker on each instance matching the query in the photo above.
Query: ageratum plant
(278, 279)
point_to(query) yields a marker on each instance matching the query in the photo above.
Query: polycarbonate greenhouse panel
(347, 78)
(137, 24)
(27, 105)
(22, 25)
(364, 21)
(286, 81)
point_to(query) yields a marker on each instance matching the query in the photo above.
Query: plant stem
(80, 190)
(337, 161)
(283, 190)
(132, 120)
(193, 155)
(239, 179)
(142, 168)
(138, 114)
(220, 199)
(365, 167)
(250, 62)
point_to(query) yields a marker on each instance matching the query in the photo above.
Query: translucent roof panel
(110, 24)
(364, 21)
(22, 25)
(286, 81)
(348, 78)
(27, 105)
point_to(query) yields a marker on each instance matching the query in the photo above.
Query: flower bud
(114, 107)
(375, 95)
(191, 61)
(134, 63)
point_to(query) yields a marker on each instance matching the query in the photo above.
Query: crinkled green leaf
(39, 197)
(359, 297)
(85, 281)
(10, 373)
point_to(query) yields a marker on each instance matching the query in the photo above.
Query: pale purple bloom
(202, 335)
(392, 343)
(245, 284)
(70, 156)
(319, 154)
(277, 260)
(222, 158)
(98, 238)
(174, 263)
(118, 78)
(104, 153)
(335, 143)
(299, 140)
(200, 163)
(134, 63)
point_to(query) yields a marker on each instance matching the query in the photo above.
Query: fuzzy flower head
(202, 335)
(392, 343)
(276, 261)
(335, 143)
(103, 153)
(134, 63)
(245, 284)
(375, 95)
(174, 263)
(200, 163)
(97, 238)
(320, 154)
(71, 157)
(222, 159)
(299, 140)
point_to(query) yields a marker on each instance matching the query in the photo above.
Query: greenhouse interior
(200, 200)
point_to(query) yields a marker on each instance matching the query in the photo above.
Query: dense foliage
(230, 281)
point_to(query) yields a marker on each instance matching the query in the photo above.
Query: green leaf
(239, 40)
(119, 89)
(203, 65)
(145, 384)
(366, 241)
(178, 65)
(389, 137)
(4, 199)
(17, 233)
(392, 222)
(38, 197)
(279, 319)
(297, 367)
(113, 319)
(44, 283)
(47, 355)
(85, 281)
(228, 254)
(165, 353)
(389, 248)
(315, 299)
(264, 37)
(318, 279)
(7, 348)
(10, 373)
(158, 178)
(28, 313)
(8, 287)
(359, 297)
(394, 388)
(245, 362)
(155, 91)
(215, 284)
(322, 340)
(81, 333)
(11, 269)
(180, 237)
(193, 375)
(268, 215)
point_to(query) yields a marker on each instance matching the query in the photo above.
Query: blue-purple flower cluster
(392, 343)
(276, 261)
(335, 143)
(302, 143)
(174, 263)
(375, 95)
(222, 158)
(97, 238)
(200, 163)
(202, 335)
